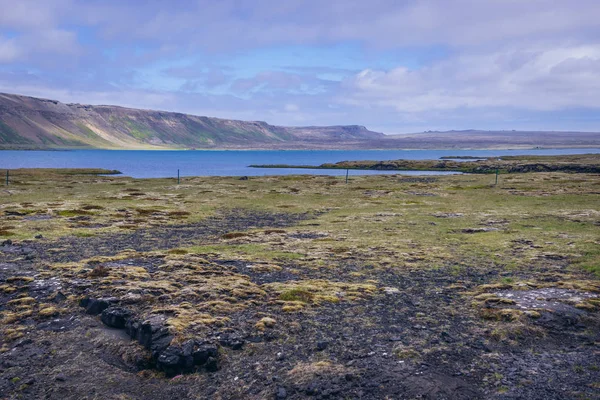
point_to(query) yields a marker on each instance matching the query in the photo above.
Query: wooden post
(496, 176)
(347, 176)
(178, 177)
(6, 177)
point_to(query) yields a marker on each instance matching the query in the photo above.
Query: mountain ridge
(35, 123)
(44, 123)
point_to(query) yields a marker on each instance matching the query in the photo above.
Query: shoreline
(583, 163)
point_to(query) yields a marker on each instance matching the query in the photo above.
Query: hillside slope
(28, 122)
(35, 123)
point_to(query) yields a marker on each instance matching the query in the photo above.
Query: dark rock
(186, 352)
(96, 306)
(84, 302)
(23, 342)
(115, 317)
(231, 341)
(27, 251)
(280, 356)
(446, 337)
(170, 361)
(59, 297)
(155, 336)
(7, 242)
(60, 377)
(160, 341)
(322, 345)
(281, 393)
(243, 178)
(187, 348)
(40, 236)
(211, 364)
(203, 353)
(14, 213)
(312, 389)
(255, 338)
(132, 328)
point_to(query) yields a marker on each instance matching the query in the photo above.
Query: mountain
(34, 123)
(480, 139)
(30, 123)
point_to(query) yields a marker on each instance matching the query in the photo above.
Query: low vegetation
(387, 286)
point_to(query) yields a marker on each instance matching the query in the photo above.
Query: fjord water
(160, 164)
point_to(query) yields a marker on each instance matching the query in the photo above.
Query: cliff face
(28, 122)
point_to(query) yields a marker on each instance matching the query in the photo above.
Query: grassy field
(351, 283)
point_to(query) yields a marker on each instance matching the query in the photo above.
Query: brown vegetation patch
(234, 235)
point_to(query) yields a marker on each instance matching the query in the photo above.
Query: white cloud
(38, 45)
(32, 14)
(9, 51)
(231, 24)
(539, 80)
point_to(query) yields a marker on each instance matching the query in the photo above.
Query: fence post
(347, 176)
(6, 177)
(178, 177)
(496, 176)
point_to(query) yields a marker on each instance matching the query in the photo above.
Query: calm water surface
(159, 164)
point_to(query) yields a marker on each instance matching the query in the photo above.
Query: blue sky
(395, 66)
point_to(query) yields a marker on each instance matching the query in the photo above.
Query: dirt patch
(167, 237)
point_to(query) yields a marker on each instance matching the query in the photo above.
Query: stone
(231, 341)
(281, 393)
(14, 213)
(312, 389)
(131, 298)
(115, 317)
(60, 377)
(170, 361)
(243, 178)
(211, 365)
(186, 352)
(151, 333)
(202, 354)
(40, 236)
(23, 342)
(96, 306)
(59, 297)
(29, 381)
(322, 345)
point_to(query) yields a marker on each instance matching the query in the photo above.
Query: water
(158, 164)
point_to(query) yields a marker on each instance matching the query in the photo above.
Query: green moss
(297, 294)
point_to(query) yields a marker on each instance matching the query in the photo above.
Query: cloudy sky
(393, 65)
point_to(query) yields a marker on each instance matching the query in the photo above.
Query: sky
(395, 66)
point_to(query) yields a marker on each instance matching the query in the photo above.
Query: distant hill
(480, 139)
(35, 123)
(29, 122)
